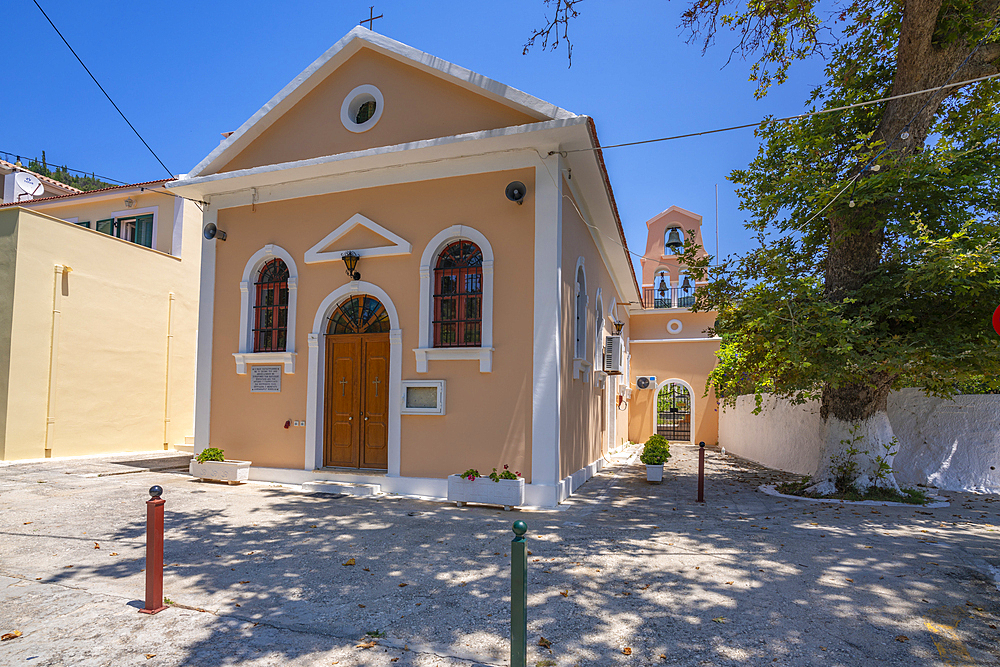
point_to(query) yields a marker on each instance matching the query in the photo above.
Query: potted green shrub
(211, 465)
(655, 453)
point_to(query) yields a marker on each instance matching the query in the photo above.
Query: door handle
(350, 419)
(366, 418)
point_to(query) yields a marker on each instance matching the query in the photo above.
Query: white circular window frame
(675, 326)
(353, 102)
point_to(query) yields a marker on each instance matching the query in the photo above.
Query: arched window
(270, 308)
(358, 315)
(581, 313)
(599, 332)
(458, 296)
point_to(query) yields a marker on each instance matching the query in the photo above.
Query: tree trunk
(858, 443)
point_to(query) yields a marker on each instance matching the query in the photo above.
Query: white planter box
(506, 492)
(232, 472)
(654, 473)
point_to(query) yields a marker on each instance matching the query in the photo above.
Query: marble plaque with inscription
(265, 379)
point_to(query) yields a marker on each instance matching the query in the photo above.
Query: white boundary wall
(949, 444)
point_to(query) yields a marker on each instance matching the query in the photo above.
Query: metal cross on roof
(371, 18)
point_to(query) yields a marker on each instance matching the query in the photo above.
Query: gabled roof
(58, 185)
(87, 193)
(350, 44)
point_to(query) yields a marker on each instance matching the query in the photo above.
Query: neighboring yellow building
(98, 312)
(415, 271)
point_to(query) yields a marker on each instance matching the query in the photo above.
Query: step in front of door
(343, 487)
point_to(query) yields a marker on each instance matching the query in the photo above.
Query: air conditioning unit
(646, 382)
(613, 355)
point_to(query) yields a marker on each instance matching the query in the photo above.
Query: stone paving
(625, 573)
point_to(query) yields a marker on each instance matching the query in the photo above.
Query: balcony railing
(672, 297)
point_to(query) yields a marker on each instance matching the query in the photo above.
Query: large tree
(877, 264)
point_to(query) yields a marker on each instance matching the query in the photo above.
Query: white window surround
(599, 337)
(246, 355)
(581, 366)
(426, 351)
(353, 102)
(135, 212)
(439, 385)
(315, 382)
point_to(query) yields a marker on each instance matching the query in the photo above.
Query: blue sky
(185, 72)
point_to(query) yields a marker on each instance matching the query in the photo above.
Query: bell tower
(664, 281)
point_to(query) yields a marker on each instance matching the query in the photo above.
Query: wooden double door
(357, 401)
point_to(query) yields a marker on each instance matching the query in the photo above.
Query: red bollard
(701, 472)
(154, 552)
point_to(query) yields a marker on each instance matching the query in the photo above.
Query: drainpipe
(166, 375)
(50, 403)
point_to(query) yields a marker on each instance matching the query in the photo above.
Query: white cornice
(336, 55)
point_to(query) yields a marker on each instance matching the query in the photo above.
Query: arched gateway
(357, 385)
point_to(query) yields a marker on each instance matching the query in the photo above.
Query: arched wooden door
(357, 385)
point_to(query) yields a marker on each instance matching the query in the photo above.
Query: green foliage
(210, 454)
(470, 474)
(63, 175)
(504, 474)
(919, 315)
(656, 451)
(910, 496)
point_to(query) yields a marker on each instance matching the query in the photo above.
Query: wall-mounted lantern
(351, 261)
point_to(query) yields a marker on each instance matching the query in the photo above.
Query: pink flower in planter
(472, 478)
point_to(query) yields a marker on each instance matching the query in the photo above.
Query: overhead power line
(169, 173)
(777, 120)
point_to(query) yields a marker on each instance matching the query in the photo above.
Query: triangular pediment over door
(359, 234)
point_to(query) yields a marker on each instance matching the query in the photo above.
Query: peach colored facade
(668, 341)
(392, 154)
(97, 334)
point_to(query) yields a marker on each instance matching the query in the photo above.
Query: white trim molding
(352, 104)
(714, 339)
(203, 354)
(318, 253)
(246, 355)
(316, 377)
(546, 359)
(426, 351)
(439, 388)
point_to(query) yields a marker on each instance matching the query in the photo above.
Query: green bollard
(518, 597)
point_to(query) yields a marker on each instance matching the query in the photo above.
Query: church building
(411, 270)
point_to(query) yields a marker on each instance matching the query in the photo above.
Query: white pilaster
(206, 310)
(547, 352)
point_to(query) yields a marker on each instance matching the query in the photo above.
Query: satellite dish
(515, 192)
(27, 185)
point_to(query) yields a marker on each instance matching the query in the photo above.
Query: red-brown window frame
(270, 308)
(458, 296)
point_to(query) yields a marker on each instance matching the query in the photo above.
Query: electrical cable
(170, 173)
(78, 171)
(766, 121)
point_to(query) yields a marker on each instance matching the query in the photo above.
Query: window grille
(270, 308)
(458, 296)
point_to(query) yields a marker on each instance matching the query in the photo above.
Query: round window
(362, 108)
(675, 326)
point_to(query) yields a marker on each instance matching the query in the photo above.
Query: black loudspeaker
(213, 232)
(516, 191)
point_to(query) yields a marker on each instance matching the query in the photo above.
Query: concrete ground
(624, 573)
